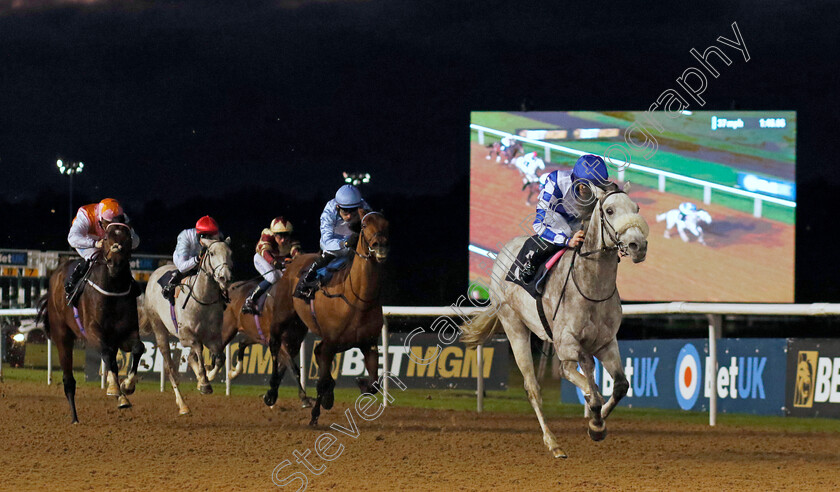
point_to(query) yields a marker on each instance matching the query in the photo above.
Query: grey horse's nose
(633, 246)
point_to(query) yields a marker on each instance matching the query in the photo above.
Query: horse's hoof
(313, 422)
(113, 391)
(270, 399)
(123, 402)
(74, 422)
(126, 389)
(328, 400)
(597, 434)
(184, 411)
(558, 453)
(307, 402)
(205, 389)
(232, 375)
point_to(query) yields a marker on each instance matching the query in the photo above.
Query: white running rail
(707, 186)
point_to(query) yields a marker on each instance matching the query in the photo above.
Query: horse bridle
(367, 257)
(371, 252)
(619, 246)
(209, 273)
(608, 229)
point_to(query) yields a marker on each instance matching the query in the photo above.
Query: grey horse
(198, 311)
(581, 303)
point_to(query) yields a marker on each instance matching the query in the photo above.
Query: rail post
(227, 370)
(479, 384)
(302, 355)
(385, 361)
(714, 332)
(49, 361)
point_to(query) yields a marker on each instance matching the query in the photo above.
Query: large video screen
(717, 188)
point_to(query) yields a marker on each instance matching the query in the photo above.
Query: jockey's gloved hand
(351, 240)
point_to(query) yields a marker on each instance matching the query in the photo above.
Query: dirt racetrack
(234, 443)
(747, 259)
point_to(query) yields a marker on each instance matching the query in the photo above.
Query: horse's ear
(626, 187)
(227, 240)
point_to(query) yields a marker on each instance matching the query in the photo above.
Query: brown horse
(346, 313)
(283, 347)
(106, 316)
(508, 152)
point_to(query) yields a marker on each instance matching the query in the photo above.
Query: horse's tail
(661, 217)
(42, 313)
(480, 328)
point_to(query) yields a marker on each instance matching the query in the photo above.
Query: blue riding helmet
(590, 167)
(348, 196)
(687, 207)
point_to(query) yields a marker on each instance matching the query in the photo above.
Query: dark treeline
(426, 266)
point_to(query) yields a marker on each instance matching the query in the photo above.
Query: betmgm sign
(813, 378)
(420, 362)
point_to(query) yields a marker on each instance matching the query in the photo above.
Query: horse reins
(620, 247)
(368, 257)
(211, 274)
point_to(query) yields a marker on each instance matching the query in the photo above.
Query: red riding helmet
(206, 225)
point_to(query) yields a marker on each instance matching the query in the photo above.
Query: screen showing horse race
(716, 188)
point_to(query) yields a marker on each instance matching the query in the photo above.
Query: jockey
(557, 223)
(505, 143)
(336, 237)
(87, 233)
(189, 251)
(529, 164)
(274, 249)
(686, 209)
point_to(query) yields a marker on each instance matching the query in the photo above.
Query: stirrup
(250, 307)
(527, 273)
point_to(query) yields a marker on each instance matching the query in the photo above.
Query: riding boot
(169, 288)
(309, 282)
(542, 251)
(251, 303)
(77, 274)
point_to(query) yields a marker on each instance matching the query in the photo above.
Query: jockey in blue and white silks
(559, 209)
(337, 239)
(687, 209)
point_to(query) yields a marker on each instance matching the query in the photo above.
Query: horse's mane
(610, 187)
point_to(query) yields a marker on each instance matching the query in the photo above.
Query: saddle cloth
(164, 279)
(536, 285)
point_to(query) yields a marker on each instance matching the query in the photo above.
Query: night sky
(251, 110)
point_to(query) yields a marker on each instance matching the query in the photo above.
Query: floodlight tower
(356, 179)
(70, 168)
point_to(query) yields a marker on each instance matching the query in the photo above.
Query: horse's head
(116, 248)
(374, 236)
(625, 228)
(219, 261)
(704, 216)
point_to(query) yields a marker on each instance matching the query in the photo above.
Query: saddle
(535, 286)
(164, 280)
(323, 276)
